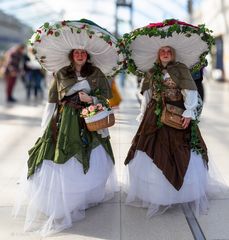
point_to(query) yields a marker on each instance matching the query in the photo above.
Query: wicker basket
(101, 120)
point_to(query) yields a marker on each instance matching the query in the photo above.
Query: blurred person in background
(198, 79)
(116, 99)
(33, 75)
(122, 78)
(12, 69)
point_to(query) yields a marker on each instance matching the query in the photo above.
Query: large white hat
(191, 43)
(53, 43)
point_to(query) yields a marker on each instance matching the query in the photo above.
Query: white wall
(215, 14)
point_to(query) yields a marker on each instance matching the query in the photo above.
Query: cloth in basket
(100, 120)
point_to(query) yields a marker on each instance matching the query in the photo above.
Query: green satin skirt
(72, 140)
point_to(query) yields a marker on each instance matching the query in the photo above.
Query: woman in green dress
(69, 167)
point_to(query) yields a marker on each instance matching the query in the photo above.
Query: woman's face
(165, 55)
(79, 56)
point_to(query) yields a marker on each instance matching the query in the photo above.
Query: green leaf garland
(201, 30)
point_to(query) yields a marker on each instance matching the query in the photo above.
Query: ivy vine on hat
(52, 44)
(191, 43)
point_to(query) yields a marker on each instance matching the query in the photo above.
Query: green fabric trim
(72, 141)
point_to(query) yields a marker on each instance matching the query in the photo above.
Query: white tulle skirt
(146, 186)
(58, 194)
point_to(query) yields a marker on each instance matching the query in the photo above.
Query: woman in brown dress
(163, 167)
(166, 165)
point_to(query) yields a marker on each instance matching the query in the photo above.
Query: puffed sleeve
(47, 114)
(190, 103)
(144, 102)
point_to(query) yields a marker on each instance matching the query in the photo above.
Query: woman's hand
(84, 97)
(185, 122)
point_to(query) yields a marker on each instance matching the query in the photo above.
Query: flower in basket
(98, 116)
(92, 110)
(100, 106)
(84, 112)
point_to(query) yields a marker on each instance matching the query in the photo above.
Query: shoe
(11, 99)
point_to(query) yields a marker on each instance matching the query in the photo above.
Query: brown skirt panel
(169, 148)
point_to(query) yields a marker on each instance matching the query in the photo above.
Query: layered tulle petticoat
(58, 194)
(146, 186)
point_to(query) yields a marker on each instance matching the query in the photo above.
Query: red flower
(110, 43)
(63, 23)
(174, 21)
(186, 24)
(157, 25)
(169, 23)
(39, 31)
(50, 32)
(83, 26)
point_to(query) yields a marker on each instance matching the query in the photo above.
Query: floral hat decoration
(52, 44)
(191, 43)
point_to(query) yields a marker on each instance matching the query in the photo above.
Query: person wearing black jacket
(198, 79)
